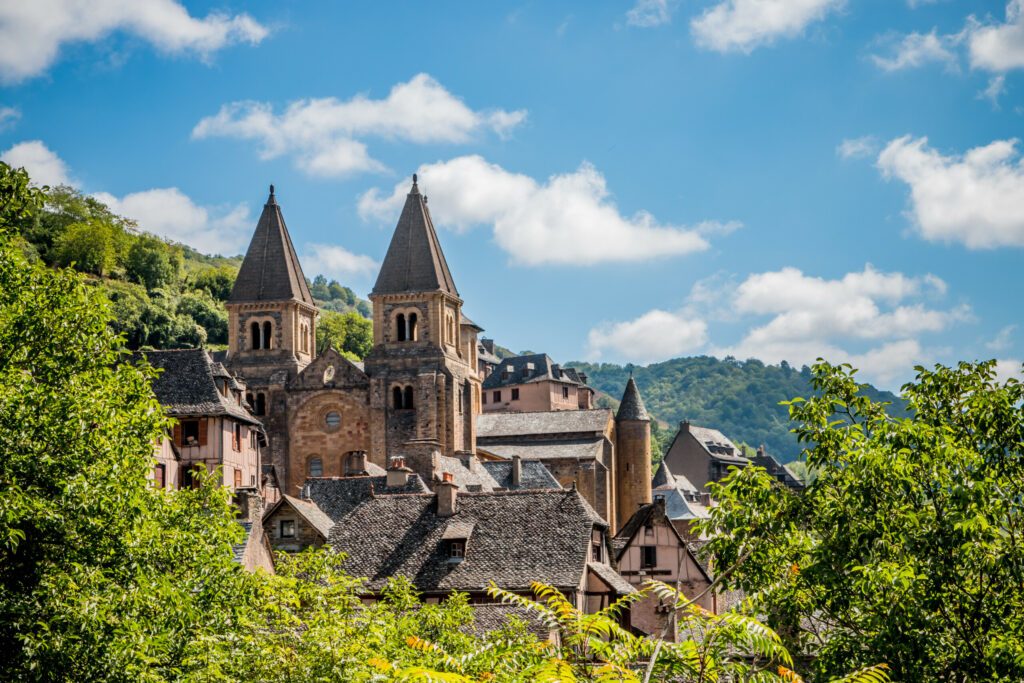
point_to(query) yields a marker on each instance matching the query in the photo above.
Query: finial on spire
(271, 189)
(413, 178)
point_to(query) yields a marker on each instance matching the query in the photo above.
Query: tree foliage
(906, 548)
(349, 333)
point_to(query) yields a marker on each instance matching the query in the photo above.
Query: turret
(632, 454)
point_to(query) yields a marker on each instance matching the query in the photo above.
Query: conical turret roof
(632, 406)
(271, 270)
(414, 262)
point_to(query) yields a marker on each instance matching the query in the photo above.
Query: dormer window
(456, 551)
(595, 551)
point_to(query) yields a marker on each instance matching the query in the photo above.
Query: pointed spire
(632, 406)
(415, 261)
(271, 270)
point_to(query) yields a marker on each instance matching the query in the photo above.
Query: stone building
(534, 383)
(702, 455)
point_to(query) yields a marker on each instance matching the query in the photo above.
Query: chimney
(359, 463)
(488, 344)
(467, 459)
(250, 506)
(685, 425)
(760, 451)
(398, 473)
(583, 377)
(517, 471)
(556, 371)
(446, 495)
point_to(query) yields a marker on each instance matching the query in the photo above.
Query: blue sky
(617, 181)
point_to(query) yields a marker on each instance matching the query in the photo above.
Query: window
(268, 330)
(483, 397)
(413, 331)
(400, 327)
(159, 476)
(316, 467)
(333, 419)
(189, 432)
(407, 403)
(396, 396)
(515, 394)
(236, 438)
(595, 551)
(287, 528)
(565, 392)
(496, 396)
(192, 475)
(648, 556)
(456, 550)
(254, 336)
(261, 404)
(238, 478)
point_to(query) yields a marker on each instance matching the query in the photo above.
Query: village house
(684, 504)
(702, 455)
(535, 383)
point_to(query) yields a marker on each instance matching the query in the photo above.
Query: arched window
(268, 330)
(407, 403)
(316, 467)
(251, 400)
(413, 331)
(396, 395)
(400, 327)
(261, 404)
(254, 333)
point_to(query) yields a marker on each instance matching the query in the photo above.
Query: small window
(159, 476)
(457, 550)
(191, 475)
(595, 552)
(396, 396)
(497, 397)
(400, 327)
(515, 394)
(565, 392)
(483, 397)
(267, 334)
(254, 336)
(649, 556)
(333, 419)
(261, 404)
(407, 402)
(238, 478)
(190, 432)
(414, 332)
(236, 438)
(316, 467)
(287, 528)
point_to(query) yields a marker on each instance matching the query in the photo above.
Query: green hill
(739, 398)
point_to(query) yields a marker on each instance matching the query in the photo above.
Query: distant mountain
(739, 398)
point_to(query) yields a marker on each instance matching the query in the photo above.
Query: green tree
(906, 548)
(349, 333)
(152, 262)
(91, 246)
(318, 288)
(207, 313)
(217, 281)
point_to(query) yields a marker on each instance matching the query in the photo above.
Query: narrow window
(316, 467)
(413, 332)
(595, 551)
(251, 400)
(254, 332)
(236, 438)
(496, 396)
(159, 475)
(287, 528)
(261, 404)
(565, 392)
(408, 397)
(191, 475)
(190, 432)
(396, 395)
(649, 556)
(400, 326)
(267, 334)
(238, 478)
(515, 394)
(483, 397)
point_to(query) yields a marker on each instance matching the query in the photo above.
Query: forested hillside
(740, 398)
(165, 295)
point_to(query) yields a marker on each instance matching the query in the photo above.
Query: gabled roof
(578, 449)
(649, 514)
(476, 479)
(271, 270)
(612, 578)
(518, 537)
(776, 469)
(532, 475)
(337, 497)
(187, 388)
(415, 261)
(534, 367)
(560, 422)
(717, 445)
(632, 405)
(308, 510)
(665, 477)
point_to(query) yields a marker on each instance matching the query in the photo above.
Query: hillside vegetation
(739, 398)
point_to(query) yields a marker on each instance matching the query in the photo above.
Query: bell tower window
(408, 398)
(413, 331)
(254, 333)
(400, 327)
(268, 330)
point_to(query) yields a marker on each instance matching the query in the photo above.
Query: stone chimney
(398, 473)
(685, 426)
(446, 495)
(488, 344)
(517, 471)
(359, 463)
(761, 451)
(250, 506)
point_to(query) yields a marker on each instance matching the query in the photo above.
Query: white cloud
(8, 117)
(654, 336)
(323, 135)
(996, 88)
(337, 262)
(649, 13)
(43, 165)
(1009, 367)
(871, 319)
(916, 49)
(170, 213)
(570, 219)
(32, 32)
(998, 47)
(976, 198)
(744, 25)
(858, 148)
(1002, 340)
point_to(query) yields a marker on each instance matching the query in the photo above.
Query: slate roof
(632, 405)
(518, 537)
(491, 425)
(476, 480)
(649, 513)
(715, 443)
(612, 578)
(535, 367)
(187, 388)
(271, 270)
(309, 511)
(589, 449)
(415, 261)
(238, 549)
(486, 356)
(495, 616)
(337, 497)
(532, 475)
(776, 469)
(665, 477)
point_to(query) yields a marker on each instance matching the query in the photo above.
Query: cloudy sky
(617, 181)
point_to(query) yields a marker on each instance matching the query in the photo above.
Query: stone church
(416, 396)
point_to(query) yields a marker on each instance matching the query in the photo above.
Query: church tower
(632, 454)
(424, 387)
